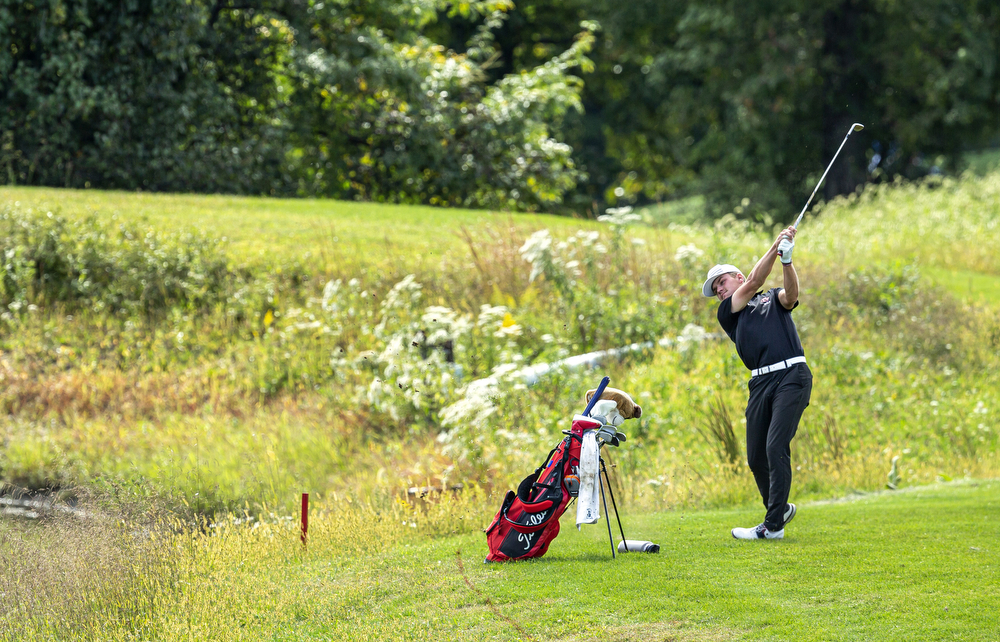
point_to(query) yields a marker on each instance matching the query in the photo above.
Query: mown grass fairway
(918, 564)
(868, 568)
(331, 236)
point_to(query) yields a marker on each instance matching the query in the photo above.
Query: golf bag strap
(525, 528)
(547, 459)
(530, 528)
(538, 471)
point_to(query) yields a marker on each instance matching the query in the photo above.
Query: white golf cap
(715, 273)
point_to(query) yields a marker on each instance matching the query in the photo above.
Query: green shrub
(121, 267)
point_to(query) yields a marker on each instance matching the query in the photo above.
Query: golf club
(856, 127)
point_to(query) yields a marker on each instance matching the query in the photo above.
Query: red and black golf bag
(528, 520)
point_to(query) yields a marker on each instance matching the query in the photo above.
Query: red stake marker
(305, 516)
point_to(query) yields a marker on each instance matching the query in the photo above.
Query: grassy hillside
(330, 236)
(227, 352)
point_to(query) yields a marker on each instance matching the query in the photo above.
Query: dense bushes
(521, 105)
(120, 267)
(348, 100)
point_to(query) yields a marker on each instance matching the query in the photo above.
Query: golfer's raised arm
(758, 275)
(790, 294)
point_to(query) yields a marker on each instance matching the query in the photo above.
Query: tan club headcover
(627, 408)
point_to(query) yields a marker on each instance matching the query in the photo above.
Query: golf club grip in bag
(528, 520)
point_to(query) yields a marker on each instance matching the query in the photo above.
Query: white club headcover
(588, 502)
(608, 409)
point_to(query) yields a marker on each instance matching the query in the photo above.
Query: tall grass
(940, 222)
(718, 430)
(96, 574)
(119, 569)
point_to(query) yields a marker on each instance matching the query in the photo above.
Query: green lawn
(334, 230)
(970, 286)
(918, 564)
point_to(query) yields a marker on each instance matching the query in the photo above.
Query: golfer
(760, 323)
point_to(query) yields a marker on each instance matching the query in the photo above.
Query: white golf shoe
(760, 531)
(789, 515)
(757, 532)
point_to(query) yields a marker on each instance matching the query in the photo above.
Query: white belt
(774, 367)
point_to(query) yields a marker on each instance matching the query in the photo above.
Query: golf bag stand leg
(611, 491)
(607, 515)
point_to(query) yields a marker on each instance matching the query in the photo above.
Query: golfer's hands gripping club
(786, 243)
(785, 251)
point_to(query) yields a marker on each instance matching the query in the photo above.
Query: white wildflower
(490, 315)
(690, 336)
(688, 253)
(537, 250)
(619, 216)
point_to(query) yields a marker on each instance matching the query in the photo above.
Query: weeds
(121, 268)
(717, 429)
(834, 438)
(93, 574)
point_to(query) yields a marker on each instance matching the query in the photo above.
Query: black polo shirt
(763, 331)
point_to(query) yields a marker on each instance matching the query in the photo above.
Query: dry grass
(121, 571)
(100, 573)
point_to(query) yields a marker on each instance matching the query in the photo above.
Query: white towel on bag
(588, 502)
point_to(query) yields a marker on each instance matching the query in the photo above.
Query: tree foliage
(408, 120)
(490, 104)
(137, 94)
(751, 99)
(344, 99)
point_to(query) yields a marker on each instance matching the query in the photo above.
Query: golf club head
(856, 127)
(607, 435)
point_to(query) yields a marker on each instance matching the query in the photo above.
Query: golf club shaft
(816, 189)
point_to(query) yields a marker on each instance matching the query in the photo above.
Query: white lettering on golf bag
(536, 518)
(525, 538)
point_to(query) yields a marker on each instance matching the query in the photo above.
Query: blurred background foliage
(563, 106)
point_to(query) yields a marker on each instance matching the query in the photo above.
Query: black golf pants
(776, 403)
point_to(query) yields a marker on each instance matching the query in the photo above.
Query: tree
(346, 99)
(750, 99)
(153, 94)
(390, 115)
